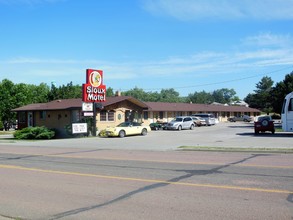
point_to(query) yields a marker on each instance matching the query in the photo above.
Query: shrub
(103, 133)
(34, 133)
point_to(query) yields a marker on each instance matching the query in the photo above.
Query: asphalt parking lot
(238, 135)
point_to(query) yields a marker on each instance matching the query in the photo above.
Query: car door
(186, 123)
(134, 128)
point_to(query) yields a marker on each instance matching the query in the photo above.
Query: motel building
(60, 114)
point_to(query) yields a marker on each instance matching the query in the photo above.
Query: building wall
(53, 119)
(168, 116)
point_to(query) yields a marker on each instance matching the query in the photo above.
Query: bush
(34, 133)
(103, 133)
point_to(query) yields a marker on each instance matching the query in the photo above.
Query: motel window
(42, 115)
(145, 115)
(111, 116)
(76, 115)
(107, 116)
(178, 114)
(103, 116)
(22, 117)
(161, 115)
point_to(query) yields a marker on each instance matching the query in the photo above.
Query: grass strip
(236, 149)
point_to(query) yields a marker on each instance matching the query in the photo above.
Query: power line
(221, 82)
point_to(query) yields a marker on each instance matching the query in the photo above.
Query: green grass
(6, 132)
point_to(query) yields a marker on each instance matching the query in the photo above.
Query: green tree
(109, 92)
(16, 95)
(169, 95)
(261, 98)
(224, 96)
(137, 93)
(68, 91)
(279, 92)
(202, 97)
(7, 100)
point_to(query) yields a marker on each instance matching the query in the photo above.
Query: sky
(188, 45)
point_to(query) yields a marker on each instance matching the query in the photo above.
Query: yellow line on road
(153, 161)
(146, 180)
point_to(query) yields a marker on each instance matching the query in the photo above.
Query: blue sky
(188, 45)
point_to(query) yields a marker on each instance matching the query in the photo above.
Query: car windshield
(124, 124)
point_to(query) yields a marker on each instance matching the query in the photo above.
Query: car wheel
(179, 128)
(144, 132)
(122, 134)
(192, 127)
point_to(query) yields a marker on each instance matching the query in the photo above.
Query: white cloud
(268, 40)
(222, 9)
(263, 52)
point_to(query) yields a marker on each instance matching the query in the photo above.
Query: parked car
(127, 128)
(263, 124)
(199, 121)
(210, 118)
(158, 126)
(182, 122)
(244, 118)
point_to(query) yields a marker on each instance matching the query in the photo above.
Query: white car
(179, 123)
(127, 128)
(199, 121)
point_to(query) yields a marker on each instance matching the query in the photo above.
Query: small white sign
(79, 128)
(88, 114)
(87, 106)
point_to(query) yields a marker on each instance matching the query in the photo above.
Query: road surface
(72, 183)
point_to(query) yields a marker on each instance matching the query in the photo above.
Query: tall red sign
(94, 90)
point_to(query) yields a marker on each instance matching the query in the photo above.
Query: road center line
(2, 166)
(152, 161)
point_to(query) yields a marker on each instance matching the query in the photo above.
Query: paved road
(144, 178)
(222, 135)
(111, 184)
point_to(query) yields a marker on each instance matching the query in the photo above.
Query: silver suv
(182, 122)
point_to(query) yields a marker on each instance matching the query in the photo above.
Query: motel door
(129, 116)
(30, 119)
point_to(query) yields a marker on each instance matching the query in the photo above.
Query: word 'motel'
(94, 90)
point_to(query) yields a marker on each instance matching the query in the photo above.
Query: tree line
(269, 98)
(266, 97)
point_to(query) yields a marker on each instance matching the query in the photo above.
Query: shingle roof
(189, 107)
(63, 104)
(150, 106)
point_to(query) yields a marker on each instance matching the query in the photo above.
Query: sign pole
(95, 121)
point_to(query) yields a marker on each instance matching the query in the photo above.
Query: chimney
(118, 93)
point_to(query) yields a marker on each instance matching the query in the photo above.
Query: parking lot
(238, 134)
